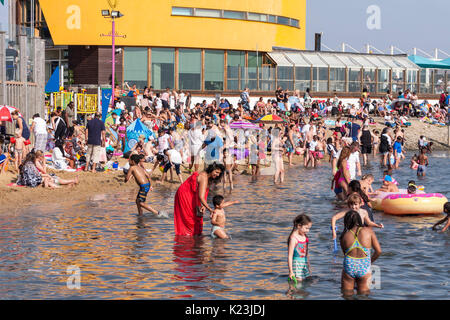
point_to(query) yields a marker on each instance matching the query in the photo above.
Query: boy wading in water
(423, 163)
(218, 217)
(142, 178)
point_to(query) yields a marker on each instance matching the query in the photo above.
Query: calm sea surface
(123, 256)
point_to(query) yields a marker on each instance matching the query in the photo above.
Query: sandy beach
(13, 198)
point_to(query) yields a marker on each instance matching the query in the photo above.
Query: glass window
(369, 79)
(411, 80)
(285, 78)
(425, 80)
(267, 79)
(234, 14)
(383, 80)
(208, 13)
(163, 68)
(302, 78)
(283, 20)
(235, 65)
(254, 62)
(439, 80)
(320, 79)
(354, 80)
(271, 18)
(214, 60)
(295, 23)
(190, 69)
(257, 16)
(397, 80)
(337, 79)
(135, 66)
(177, 11)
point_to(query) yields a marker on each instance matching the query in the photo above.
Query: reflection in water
(125, 256)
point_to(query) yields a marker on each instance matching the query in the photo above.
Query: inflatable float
(404, 204)
(377, 199)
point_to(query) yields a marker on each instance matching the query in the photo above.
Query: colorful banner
(106, 100)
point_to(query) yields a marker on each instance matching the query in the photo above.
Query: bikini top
(300, 249)
(356, 245)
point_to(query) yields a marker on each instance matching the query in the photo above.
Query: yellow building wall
(150, 23)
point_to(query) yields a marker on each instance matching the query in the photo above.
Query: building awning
(297, 59)
(376, 62)
(314, 59)
(332, 60)
(366, 64)
(430, 63)
(280, 59)
(324, 59)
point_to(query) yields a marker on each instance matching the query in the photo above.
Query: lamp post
(113, 15)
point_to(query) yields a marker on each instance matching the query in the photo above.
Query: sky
(405, 24)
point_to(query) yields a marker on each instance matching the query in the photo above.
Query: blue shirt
(397, 146)
(224, 105)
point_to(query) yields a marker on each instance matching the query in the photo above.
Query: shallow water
(123, 256)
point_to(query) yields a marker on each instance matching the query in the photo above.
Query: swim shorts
(169, 165)
(338, 190)
(143, 191)
(421, 169)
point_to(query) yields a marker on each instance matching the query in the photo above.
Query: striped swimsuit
(300, 260)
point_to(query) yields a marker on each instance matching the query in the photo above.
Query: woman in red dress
(190, 200)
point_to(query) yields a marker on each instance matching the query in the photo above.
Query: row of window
(238, 15)
(260, 77)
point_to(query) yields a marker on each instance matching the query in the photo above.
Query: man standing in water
(423, 163)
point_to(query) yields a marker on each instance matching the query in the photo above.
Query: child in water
(298, 243)
(389, 183)
(366, 183)
(354, 202)
(142, 178)
(414, 164)
(446, 220)
(218, 217)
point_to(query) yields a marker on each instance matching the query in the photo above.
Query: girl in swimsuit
(356, 242)
(298, 243)
(342, 176)
(122, 132)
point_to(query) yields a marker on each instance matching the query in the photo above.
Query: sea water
(100, 249)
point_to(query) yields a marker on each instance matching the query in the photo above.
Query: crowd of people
(181, 136)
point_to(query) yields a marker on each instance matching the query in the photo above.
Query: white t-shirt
(40, 126)
(175, 156)
(58, 159)
(313, 145)
(196, 137)
(163, 143)
(353, 159)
